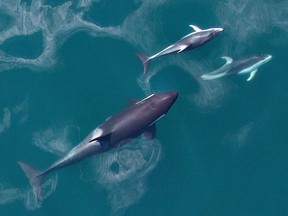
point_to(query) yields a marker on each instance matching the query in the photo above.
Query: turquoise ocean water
(68, 65)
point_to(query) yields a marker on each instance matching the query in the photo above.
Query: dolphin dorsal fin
(227, 59)
(196, 28)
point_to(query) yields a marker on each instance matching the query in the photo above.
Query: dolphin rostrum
(190, 41)
(248, 65)
(137, 118)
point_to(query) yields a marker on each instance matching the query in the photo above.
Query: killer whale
(138, 118)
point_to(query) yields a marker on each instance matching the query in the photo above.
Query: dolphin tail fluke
(35, 178)
(145, 60)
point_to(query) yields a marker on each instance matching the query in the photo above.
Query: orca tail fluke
(35, 178)
(145, 60)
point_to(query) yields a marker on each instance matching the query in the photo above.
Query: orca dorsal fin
(196, 28)
(150, 132)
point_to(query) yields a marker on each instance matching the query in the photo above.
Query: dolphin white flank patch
(220, 72)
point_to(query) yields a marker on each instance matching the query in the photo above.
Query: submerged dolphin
(138, 118)
(190, 41)
(248, 65)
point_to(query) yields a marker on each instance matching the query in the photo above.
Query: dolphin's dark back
(241, 64)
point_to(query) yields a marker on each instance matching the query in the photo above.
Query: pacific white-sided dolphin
(248, 65)
(137, 118)
(190, 41)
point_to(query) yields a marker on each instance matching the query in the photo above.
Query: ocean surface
(65, 66)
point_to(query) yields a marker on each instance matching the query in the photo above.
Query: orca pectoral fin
(150, 132)
(196, 28)
(182, 48)
(252, 74)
